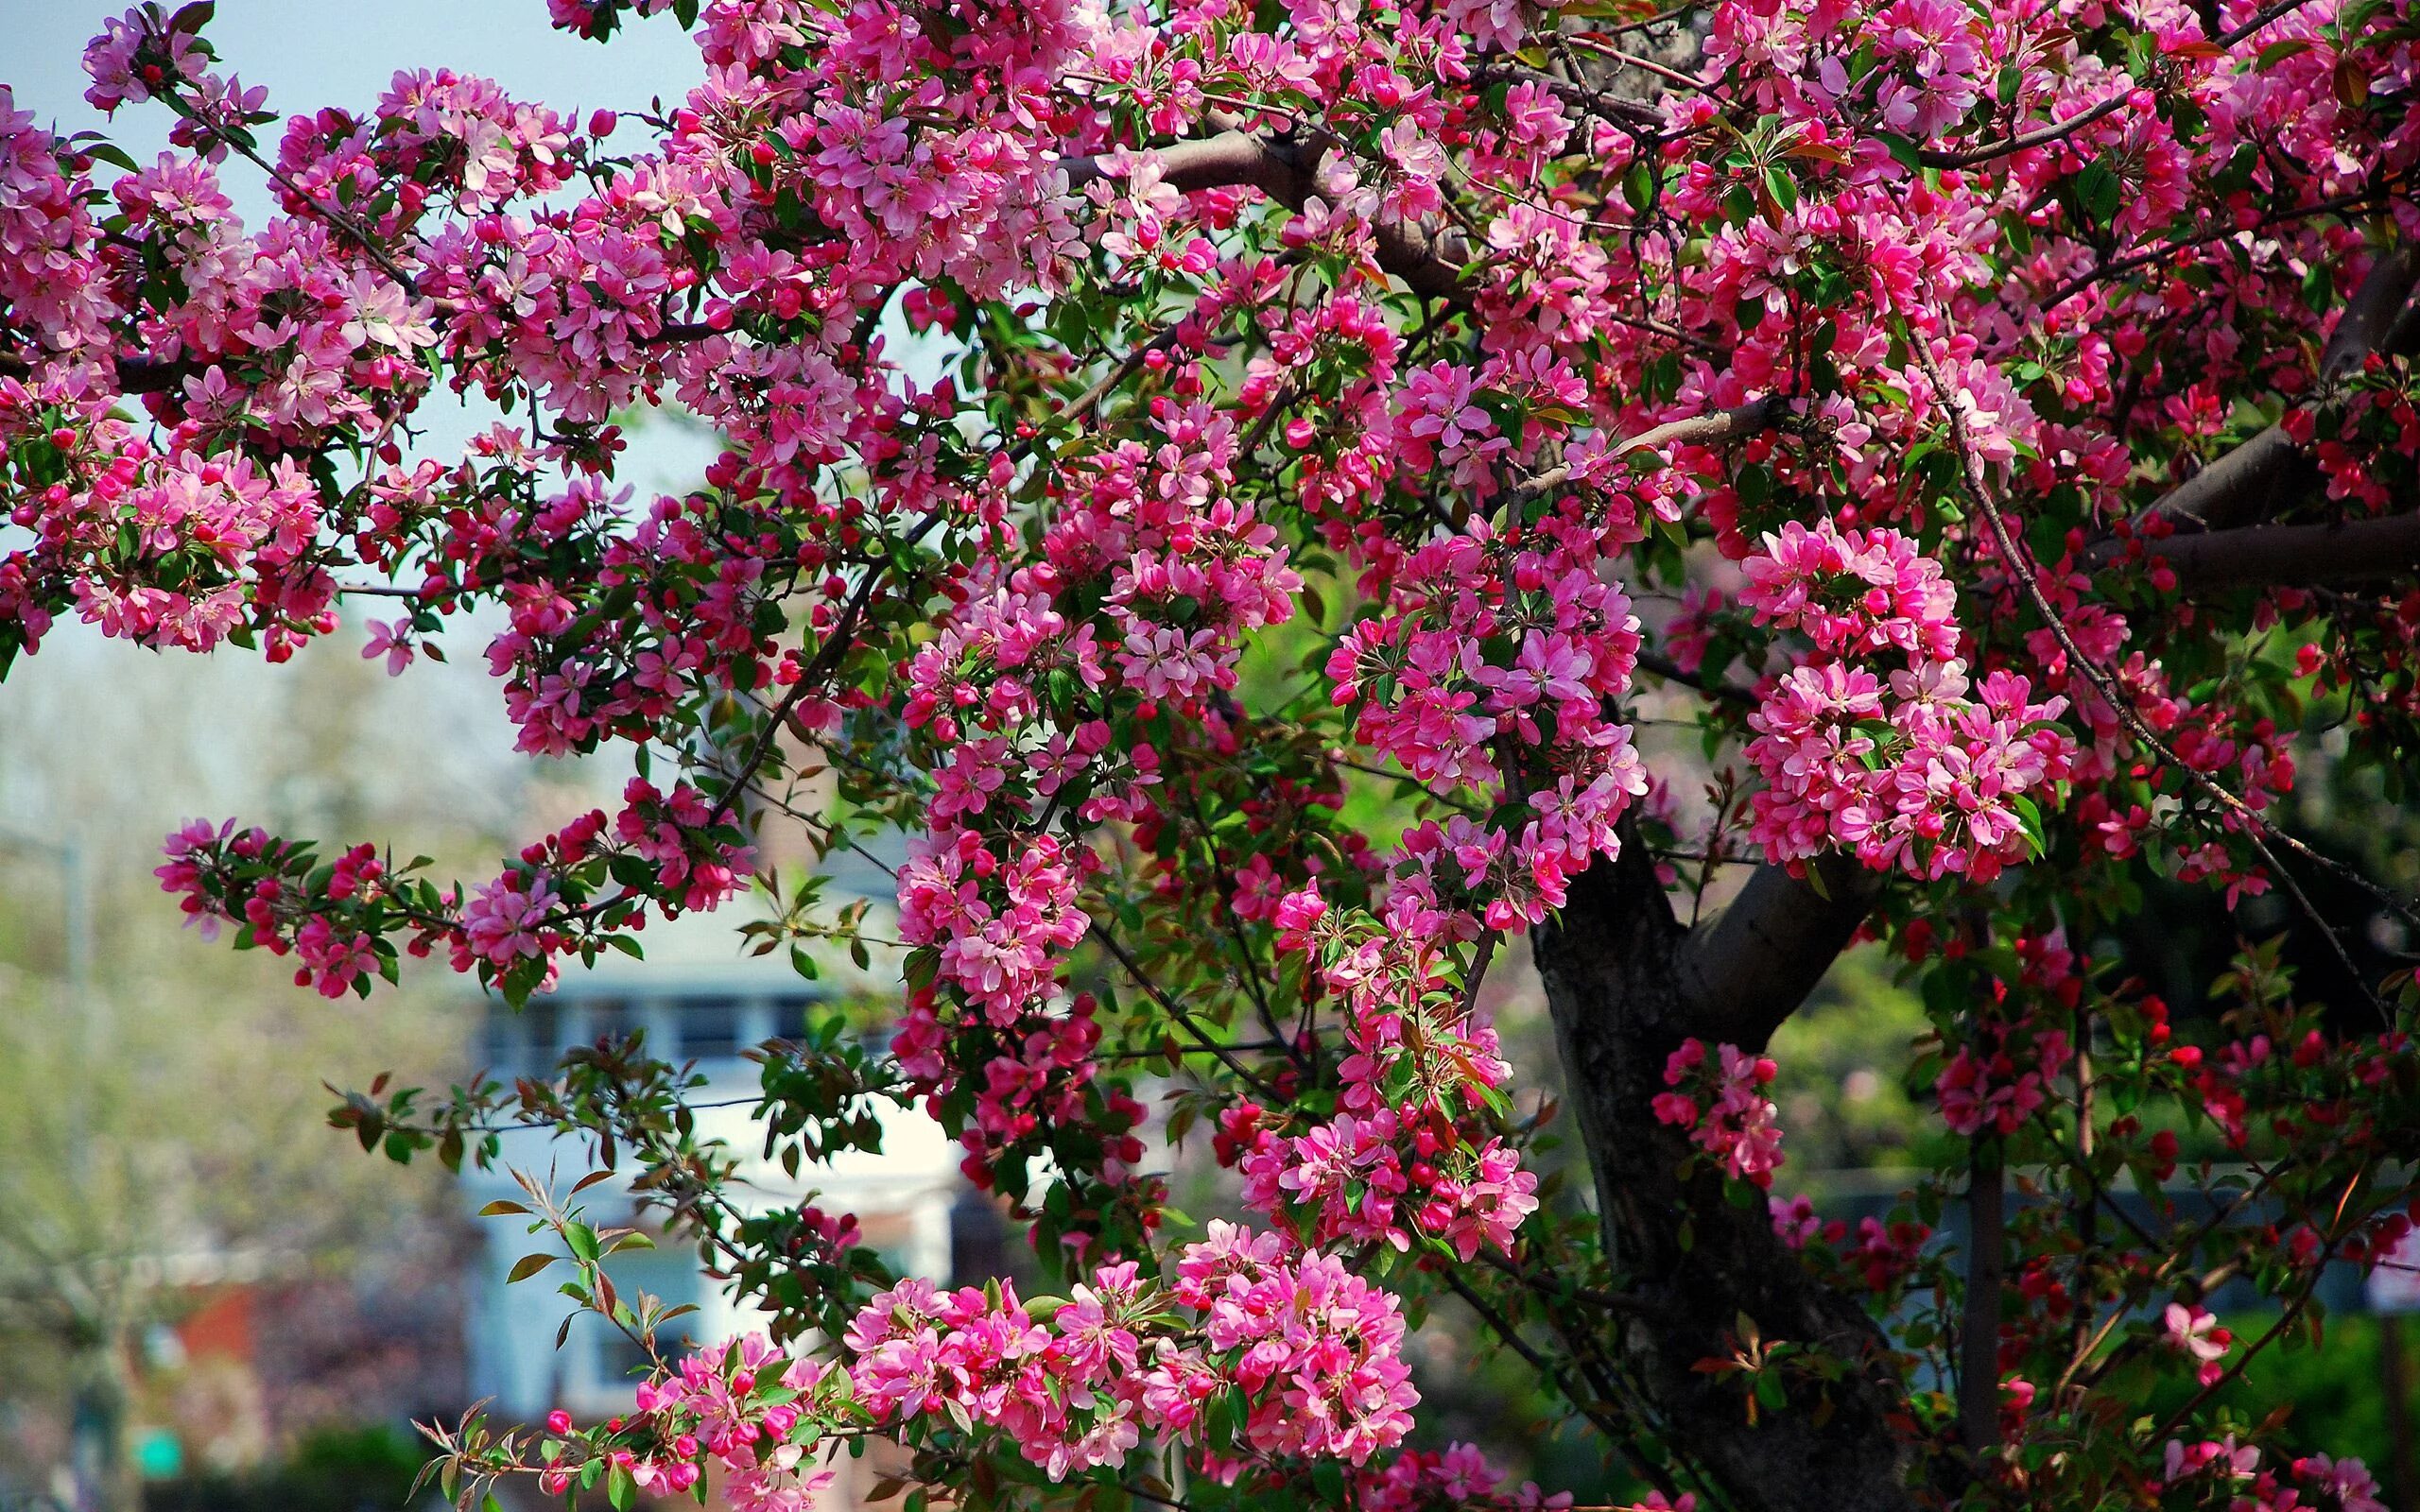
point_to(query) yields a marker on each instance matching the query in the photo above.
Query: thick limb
(1626, 984)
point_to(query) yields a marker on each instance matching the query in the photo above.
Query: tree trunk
(1618, 974)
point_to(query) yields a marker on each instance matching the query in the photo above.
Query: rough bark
(2351, 552)
(1429, 263)
(1626, 984)
(2270, 471)
(1979, 1328)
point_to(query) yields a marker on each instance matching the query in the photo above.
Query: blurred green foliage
(2334, 1389)
(366, 1468)
(1841, 1092)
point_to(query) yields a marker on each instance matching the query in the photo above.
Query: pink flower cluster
(1188, 570)
(2234, 1469)
(1072, 597)
(1430, 698)
(1043, 1076)
(431, 133)
(1363, 1179)
(2193, 1331)
(1316, 1350)
(239, 537)
(334, 932)
(1854, 593)
(51, 282)
(563, 894)
(1407, 1154)
(1500, 649)
(1923, 772)
(1996, 1084)
(1002, 928)
(1719, 1100)
(1457, 1476)
(739, 1406)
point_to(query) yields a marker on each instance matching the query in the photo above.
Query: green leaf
(1638, 186)
(1783, 188)
(1909, 155)
(1770, 1391)
(2029, 817)
(2100, 191)
(528, 1265)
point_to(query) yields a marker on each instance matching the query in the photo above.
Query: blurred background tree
(163, 1104)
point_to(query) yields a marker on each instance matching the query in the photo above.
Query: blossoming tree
(1230, 481)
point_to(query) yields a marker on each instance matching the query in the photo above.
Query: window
(609, 1016)
(790, 1018)
(711, 1029)
(522, 1043)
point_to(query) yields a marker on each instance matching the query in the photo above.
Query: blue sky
(219, 722)
(311, 53)
(314, 53)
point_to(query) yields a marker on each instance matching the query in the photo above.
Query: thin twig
(1696, 430)
(338, 218)
(1645, 65)
(2044, 137)
(2256, 827)
(1169, 1005)
(838, 644)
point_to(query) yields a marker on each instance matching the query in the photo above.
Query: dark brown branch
(2258, 826)
(1978, 1339)
(337, 220)
(1934, 157)
(1628, 112)
(2356, 551)
(1744, 971)
(1715, 688)
(2268, 471)
(1698, 1262)
(2249, 483)
(2254, 26)
(135, 375)
(838, 642)
(1429, 265)
(150, 375)
(2339, 205)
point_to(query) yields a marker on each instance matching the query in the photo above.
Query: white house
(695, 1000)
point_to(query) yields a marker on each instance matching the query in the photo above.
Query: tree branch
(2269, 470)
(1695, 1260)
(1429, 265)
(2353, 551)
(1967, 157)
(1635, 114)
(1713, 687)
(1746, 970)
(1712, 429)
(1979, 1338)
(135, 375)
